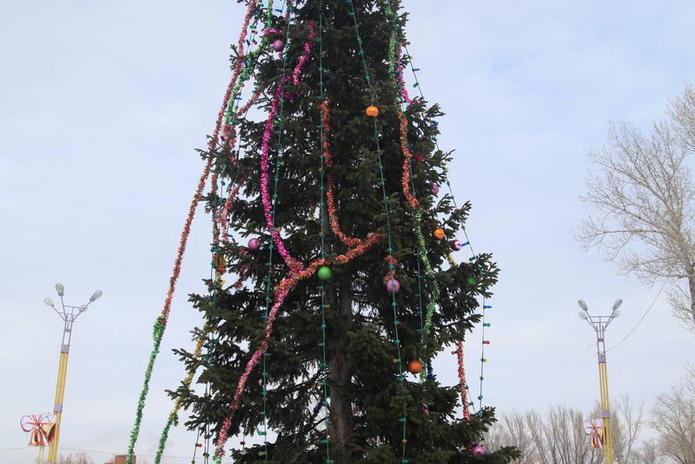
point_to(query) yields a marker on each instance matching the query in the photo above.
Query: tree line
(666, 435)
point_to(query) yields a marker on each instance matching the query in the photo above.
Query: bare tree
(681, 110)
(75, 458)
(649, 454)
(642, 200)
(556, 438)
(673, 418)
(559, 436)
(627, 423)
(521, 431)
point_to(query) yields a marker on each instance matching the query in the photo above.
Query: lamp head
(60, 289)
(49, 302)
(96, 295)
(617, 304)
(583, 315)
(582, 304)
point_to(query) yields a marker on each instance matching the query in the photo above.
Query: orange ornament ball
(415, 367)
(438, 233)
(372, 111)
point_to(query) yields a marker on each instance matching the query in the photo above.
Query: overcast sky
(102, 105)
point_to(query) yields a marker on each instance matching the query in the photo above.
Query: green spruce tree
(331, 286)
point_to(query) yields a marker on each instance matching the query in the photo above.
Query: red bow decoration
(41, 427)
(593, 428)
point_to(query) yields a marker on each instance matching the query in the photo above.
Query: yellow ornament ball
(372, 111)
(438, 233)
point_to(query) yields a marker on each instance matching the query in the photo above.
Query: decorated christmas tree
(335, 277)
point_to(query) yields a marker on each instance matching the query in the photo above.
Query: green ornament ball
(325, 273)
(471, 280)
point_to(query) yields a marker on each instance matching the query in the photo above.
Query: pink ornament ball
(456, 245)
(254, 244)
(392, 285)
(278, 45)
(478, 450)
(435, 189)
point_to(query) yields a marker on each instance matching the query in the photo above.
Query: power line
(642, 318)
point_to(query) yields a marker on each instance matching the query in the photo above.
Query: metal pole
(60, 384)
(599, 324)
(68, 314)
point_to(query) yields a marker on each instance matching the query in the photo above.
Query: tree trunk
(341, 420)
(691, 287)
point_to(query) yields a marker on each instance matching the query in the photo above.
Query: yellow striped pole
(58, 405)
(605, 409)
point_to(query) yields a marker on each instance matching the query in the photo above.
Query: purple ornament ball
(435, 189)
(254, 244)
(478, 450)
(456, 245)
(278, 45)
(392, 285)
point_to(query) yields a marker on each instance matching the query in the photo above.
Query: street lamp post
(599, 324)
(68, 314)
